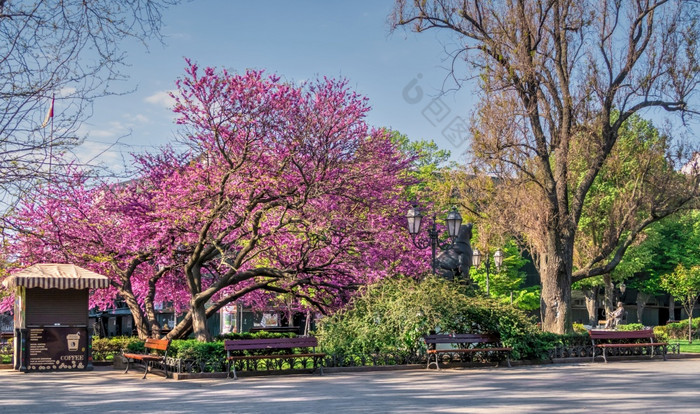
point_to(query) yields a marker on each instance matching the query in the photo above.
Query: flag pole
(51, 139)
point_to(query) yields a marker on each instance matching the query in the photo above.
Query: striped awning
(56, 276)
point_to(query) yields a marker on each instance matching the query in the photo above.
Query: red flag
(49, 115)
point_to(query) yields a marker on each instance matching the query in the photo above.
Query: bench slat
(276, 356)
(638, 334)
(460, 338)
(270, 343)
(464, 350)
(159, 344)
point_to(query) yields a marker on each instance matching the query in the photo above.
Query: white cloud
(138, 118)
(161, 98)
(111, 130)
(67, 92)
(99, 153)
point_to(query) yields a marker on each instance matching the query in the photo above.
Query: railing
(586, 351)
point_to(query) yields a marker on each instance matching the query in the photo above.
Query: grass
(693, 348)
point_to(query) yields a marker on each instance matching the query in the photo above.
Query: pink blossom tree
(108, 228)
(285, 190)
(294, 192)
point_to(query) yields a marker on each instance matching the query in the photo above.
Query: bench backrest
(639, 334)
(461, 338)
(270, 343)
(158, 344)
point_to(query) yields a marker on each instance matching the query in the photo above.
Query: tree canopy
(284, 190)
(558, 81)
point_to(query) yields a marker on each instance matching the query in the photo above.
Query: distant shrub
(630, 327)
(393, 316)
(579, 328)
(106, 348)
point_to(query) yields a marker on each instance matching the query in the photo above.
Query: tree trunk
(137, 314)
(199, 321)
(150, 315)
(307, 323)
(609, 295)
(555, 302)
(690, 327)
(671, 308)
(642, 299)
(182, 329)
(591, 295)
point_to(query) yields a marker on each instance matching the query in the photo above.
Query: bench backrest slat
(270, 343)
(159, 344)
(461, 339)
(639, 334)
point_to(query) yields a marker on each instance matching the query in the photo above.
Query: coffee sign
(56, 348)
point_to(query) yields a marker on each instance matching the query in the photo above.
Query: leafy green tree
(684, 284)
(429, 166)
(612, 204)
(556, 80)
(506, 284)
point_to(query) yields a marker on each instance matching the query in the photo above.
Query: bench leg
(127, 365)
(319, 361)
(605, 357)
(437, 365)
(145, 370)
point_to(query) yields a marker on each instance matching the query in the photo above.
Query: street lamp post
(453, 221)
(497, 260)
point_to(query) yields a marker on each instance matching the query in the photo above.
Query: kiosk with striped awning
(56, 276)
(51, 316)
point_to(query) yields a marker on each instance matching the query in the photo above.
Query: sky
(402, 73)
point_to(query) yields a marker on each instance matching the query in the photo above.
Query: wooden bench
(606, 339)
(276, 345)
(464, 344)
(158, 352)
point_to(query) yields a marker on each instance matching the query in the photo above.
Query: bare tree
(559, 78)
(69, 49)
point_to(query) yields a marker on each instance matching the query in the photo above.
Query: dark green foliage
(106, 348)
(630, 327)
(679, 330)
(194, 349)
(256, 335)
(568, 340)
(393, 316)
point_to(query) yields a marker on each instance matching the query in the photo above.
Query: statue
(456, 261)
(616, 317)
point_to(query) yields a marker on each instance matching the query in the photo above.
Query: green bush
(106, 348)
(630, 327)
(193, 349)
(256, 335)
(579, 328)
(393, 316)
(661, 333)
(679, 330)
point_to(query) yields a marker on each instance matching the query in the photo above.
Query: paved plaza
(627, 386)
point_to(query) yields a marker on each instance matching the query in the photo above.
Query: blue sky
(401, 73)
